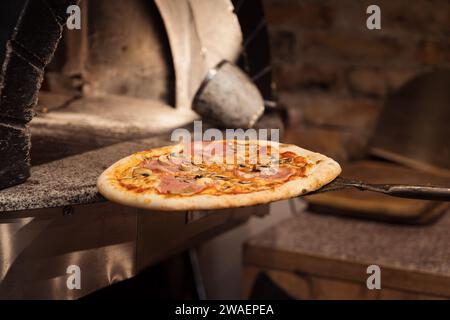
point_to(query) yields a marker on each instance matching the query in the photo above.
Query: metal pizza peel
(423, 192)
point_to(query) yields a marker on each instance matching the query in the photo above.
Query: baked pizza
(214, 175)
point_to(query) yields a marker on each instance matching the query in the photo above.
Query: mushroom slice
(189, 167)
(164, 159)
(185, 167)
(142, 172)
(219, 177)
(205, 181)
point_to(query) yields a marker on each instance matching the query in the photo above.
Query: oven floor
(66, 125)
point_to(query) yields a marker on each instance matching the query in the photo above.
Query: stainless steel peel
(395, 190)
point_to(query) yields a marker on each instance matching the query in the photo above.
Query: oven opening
(111, 81)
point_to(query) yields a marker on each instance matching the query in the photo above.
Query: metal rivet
(68, 211)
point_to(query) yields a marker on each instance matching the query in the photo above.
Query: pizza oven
(119, 77)
(75, 100)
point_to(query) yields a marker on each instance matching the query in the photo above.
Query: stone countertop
(71, 180)
(413, 248)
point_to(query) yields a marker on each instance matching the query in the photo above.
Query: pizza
(214, 175)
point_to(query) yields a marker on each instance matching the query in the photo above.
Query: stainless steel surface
(395, 190)
(37, 248)
(108, 242)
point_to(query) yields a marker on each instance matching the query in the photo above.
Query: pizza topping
(157, 165)
(172, 185)
(268, 171)
(220, 177)
(283, 173)
(288, 154)
(164, 159)
(300, 161)
(145, 172)
(189, 167)
(245, 175)
(182, 176)
(205, 181)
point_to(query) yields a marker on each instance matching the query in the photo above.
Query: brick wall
(334, 74)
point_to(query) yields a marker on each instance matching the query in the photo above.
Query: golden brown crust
(320, 171)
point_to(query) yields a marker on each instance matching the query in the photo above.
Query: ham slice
(171, 166)
(171, 185)
(178, 161)
(207, 151)
(245, 175)
(279, 174)
(158, 166)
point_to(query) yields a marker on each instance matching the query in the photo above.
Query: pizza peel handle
(395, 190)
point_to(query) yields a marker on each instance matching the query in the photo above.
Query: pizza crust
(318, 175)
